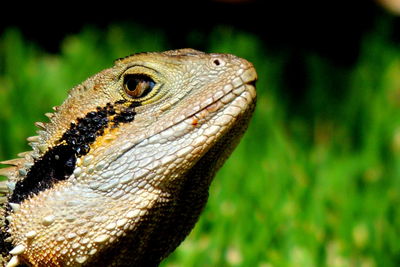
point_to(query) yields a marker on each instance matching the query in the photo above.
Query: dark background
(331, 28)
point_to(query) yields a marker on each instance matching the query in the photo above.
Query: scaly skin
(120, 174)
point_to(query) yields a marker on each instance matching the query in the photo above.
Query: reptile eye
(138, 85)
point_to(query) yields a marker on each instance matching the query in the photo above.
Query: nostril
(217, 62)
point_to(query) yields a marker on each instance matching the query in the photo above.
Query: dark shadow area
(332, 29)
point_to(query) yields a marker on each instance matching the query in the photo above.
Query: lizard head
(122, 170)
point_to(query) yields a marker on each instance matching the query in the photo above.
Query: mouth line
(248, 77)
(210, 108)
(252, 83)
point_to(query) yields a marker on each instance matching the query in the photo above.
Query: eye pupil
(138, 85)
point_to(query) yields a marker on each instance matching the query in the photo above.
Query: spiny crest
(17, 170)
(19, 167)
(170, 53)
(38, 142)
(7, 186)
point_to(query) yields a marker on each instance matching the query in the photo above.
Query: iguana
(121, 172)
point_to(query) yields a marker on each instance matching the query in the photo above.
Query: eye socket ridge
(138, 85)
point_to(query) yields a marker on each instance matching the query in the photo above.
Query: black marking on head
(5, 247)
(58, 163)
(122, 101)
(126, 115)
(84, 132)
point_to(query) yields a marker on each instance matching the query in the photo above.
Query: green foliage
(317, 186)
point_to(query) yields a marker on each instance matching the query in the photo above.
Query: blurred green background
(316, 179)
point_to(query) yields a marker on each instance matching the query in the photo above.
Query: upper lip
(249, 76)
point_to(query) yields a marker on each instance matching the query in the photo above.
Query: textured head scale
(121, 172)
